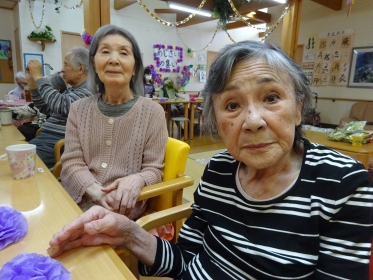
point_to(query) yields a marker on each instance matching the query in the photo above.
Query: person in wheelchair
(272, 206)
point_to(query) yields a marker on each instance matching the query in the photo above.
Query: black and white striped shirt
(320, 228)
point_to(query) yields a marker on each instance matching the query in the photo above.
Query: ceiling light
(281, 1)
(188, 9)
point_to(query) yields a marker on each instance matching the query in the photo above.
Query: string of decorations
(192, 52)
(32, 16)
(57, 2)
(229, 36)
(349, 4)
(167, 22)
(272, 27)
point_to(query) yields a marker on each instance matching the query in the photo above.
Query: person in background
(29, 129)
(273, 206)
(19, 92)
(116, 139)
(149, 89)
(50, 102)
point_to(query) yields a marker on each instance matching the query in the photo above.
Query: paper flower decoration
(34, 266)
(13, 226)
(87, 39)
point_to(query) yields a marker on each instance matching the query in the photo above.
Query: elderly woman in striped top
(273, 206)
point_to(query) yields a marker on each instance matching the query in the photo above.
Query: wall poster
(330, 54)
(6, 62)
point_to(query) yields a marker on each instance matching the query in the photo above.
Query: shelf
(43, 41)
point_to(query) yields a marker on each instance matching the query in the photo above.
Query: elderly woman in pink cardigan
(116, 139)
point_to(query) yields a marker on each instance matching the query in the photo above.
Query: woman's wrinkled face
(257, 114)
(114, 60)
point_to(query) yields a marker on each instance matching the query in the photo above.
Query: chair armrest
(169, 215)
(165, 187)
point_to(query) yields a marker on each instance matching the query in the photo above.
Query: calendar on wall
(327, 57)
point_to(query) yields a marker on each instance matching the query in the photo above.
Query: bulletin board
(6, 62)
(326, 58)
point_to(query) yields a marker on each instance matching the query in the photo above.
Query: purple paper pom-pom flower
(13, 226)
(34, 266)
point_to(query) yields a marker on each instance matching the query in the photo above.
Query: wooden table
(362, 154)
(10, 134)
(187, 105)
(48, 207)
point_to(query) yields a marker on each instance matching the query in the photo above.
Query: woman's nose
(113, 58)
(253, 119)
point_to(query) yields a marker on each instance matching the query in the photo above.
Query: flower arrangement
(171, 83)
(43, 35)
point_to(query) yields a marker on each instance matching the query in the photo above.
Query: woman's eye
(272, 98)
(231, 106)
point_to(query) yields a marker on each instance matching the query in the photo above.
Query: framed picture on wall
(33, 56)
(6, 62)
(361, 68)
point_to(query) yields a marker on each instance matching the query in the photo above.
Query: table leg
(192, 106)
(186, 122)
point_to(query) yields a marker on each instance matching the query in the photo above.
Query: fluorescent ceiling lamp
(188, 9)
(281, 1)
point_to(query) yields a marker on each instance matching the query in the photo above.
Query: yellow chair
(177, 214)
(169, 193)
(57, 156)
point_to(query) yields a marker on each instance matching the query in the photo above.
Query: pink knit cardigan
(101, 149)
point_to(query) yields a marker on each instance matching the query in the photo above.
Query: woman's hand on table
(95, 227)
(122, 194)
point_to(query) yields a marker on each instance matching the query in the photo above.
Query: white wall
(316, 19)
(148, 32)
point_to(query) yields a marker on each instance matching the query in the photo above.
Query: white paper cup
(6, 116)
(22, 160)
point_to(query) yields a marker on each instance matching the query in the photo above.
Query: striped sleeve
(48, 100)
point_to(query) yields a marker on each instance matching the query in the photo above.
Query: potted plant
(172, 87)
(42, 36)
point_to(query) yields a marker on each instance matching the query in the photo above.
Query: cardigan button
(110, 121)
(108, 143)
(104, 165)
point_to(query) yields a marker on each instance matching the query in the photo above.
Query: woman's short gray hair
(79, 56)
(95, 85)
(229, 56)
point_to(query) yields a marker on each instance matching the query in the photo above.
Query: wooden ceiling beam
(120, 4)
(335, 5)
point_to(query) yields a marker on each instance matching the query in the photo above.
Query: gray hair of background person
(80, 56)
(20, 75)
(94, 83)
(57, 82)
(229, 56)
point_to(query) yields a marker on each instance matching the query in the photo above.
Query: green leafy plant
(170, 84)
(223, 10)
(46, 34)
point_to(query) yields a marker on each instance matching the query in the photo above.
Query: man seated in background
(50, 102)
(19, 92)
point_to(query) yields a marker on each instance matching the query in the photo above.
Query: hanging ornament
(191, 52)
(349, 4)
